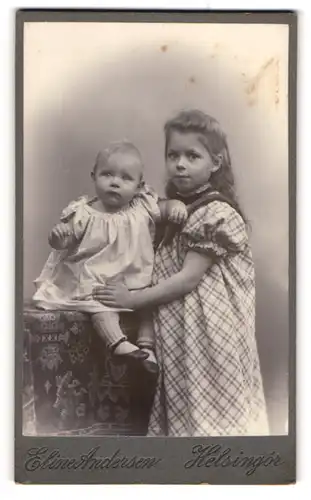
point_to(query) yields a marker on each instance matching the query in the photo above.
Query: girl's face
(188, 163)
(117, 180)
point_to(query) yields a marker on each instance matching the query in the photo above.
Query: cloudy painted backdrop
(86, 84)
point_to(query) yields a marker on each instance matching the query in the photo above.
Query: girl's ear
(217, 162)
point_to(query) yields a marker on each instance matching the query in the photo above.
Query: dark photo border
(272, 460)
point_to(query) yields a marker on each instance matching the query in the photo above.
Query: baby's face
(117, 179)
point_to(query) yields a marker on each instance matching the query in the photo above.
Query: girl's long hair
(215, 141)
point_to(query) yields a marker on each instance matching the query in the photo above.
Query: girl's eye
(171, 155)
(126, 178)
(193, 156)
(106, 174)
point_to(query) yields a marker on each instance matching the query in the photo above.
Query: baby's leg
(108, 327)
(146, 340)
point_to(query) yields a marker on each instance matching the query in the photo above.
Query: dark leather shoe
(133, 356)
(150, 367)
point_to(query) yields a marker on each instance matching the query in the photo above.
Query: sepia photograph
(155, 223)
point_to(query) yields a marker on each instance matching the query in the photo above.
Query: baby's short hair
(123, 147)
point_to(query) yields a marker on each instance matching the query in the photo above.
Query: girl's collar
(194, 195)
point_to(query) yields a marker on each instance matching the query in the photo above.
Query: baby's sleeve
(76, 216)
(215, 230)
(149, 201)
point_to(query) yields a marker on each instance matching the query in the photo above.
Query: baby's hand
(176, 211)
(61, 236)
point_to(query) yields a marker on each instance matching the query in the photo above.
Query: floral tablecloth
(71, 384)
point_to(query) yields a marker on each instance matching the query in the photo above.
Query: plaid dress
(209, 381)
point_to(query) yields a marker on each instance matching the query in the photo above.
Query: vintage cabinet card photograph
(155, 247)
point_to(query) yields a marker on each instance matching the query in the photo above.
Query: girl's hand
(61, 236)
(114, 294)
(176, 211)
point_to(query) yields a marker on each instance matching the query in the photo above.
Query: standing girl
(203, 284)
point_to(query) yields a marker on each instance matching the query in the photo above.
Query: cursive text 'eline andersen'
(43, 458)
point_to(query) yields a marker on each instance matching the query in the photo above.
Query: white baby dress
(109, 245)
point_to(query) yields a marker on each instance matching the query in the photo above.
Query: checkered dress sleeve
(216, 230)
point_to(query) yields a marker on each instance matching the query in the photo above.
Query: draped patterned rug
(72, 386)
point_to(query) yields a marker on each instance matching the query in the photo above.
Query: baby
(106, 238)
